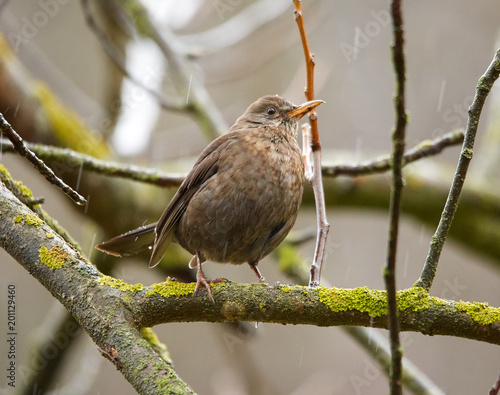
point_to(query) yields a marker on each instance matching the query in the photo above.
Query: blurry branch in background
(56, 333)
(253, 18)
(398, 147)
(119, 61)
(414, 379)
(483, 88)
(23, 151)
(193, 98)
(312, 147)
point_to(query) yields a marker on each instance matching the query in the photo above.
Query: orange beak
(303, 109)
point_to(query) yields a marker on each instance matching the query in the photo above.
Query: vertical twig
(483, 88)
(398, 147)
(315, 146)
(47, 172)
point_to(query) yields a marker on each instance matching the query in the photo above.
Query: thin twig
(398, 147)
(379, 165)
(23, 151)
(118, 60)
(483, 88)
(316, 180)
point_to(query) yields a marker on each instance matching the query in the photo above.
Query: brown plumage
(241, 198)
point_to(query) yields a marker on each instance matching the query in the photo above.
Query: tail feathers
(160, 247)
(130, 243)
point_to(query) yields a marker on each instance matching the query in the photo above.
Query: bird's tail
(130, 243)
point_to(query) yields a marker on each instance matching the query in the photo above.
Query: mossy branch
(100, 302)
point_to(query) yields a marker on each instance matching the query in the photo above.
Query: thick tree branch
(483, 88)
(99, 302)
(76, 284)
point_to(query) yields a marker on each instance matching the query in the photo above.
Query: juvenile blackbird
(241, 198)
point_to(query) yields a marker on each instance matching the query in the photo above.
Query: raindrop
(189, 88)
(79, 177)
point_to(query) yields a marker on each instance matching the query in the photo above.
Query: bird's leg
(201, 279)
(254, 267)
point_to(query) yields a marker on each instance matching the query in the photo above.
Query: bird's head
(275, 111)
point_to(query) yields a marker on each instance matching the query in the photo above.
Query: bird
(240, 199)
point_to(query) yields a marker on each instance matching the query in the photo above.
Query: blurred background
(226, 54)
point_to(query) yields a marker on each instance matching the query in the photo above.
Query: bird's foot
(201, 279)
(257, 272)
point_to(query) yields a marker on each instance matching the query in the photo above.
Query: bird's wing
(205, 167)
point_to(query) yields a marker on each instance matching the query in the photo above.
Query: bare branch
(483, 88)
(398, 147)
(382, 164)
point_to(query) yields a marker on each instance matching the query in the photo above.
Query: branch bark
(100, 310)
(100, 302)
(398, 147)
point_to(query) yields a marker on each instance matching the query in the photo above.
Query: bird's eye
(271, 111)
